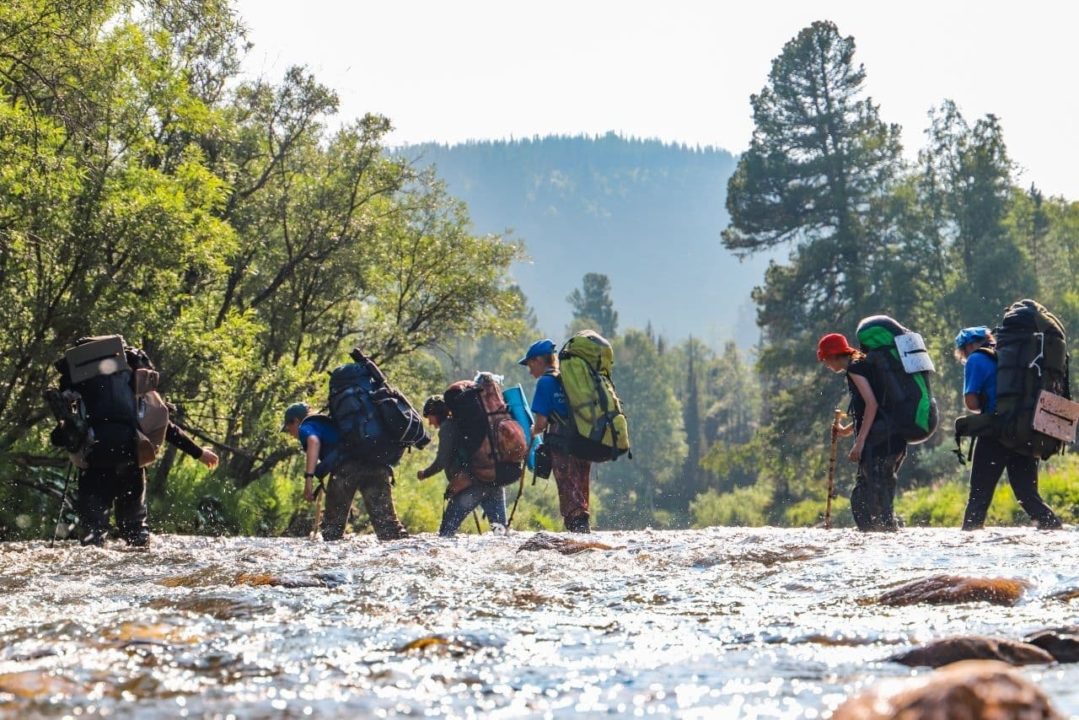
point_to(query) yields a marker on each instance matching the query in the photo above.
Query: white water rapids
(763, 623)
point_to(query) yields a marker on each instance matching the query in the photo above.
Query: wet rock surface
(972, 690)
(950, 650)
(1061, 643)
(761, 623)
(953, 590)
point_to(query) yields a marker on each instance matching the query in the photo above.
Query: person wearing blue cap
(319, 438)
(552, 417)
(975, 349)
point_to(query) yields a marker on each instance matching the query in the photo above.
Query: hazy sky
(679, 71)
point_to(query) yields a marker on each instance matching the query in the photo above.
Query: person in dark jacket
(878, 452)
(319, 439)
(110, 477)
(463, 493)
(974, 349)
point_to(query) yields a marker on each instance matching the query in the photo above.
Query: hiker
(115, 435)
(878, 451)
(552, 416)
(463, 492)
(975, 348)
(321, 441)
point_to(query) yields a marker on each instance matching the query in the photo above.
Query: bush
(743, 507)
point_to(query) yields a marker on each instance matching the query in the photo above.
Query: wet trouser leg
(131, 505)
(1023, 477)
(458, 508)
(102, 488)
(93, 501)
(986, 467)
(571, 475)
(494, 505)
(377, 490)
(339, 493)
(872, 501)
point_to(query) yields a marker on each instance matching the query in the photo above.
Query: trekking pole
(476, 517)
(318, 512)
(520, 491)
(63, 501)
(831, 470)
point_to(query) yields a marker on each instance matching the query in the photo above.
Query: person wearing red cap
(878, 452)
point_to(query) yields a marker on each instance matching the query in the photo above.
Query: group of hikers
(1015, 387)
(112, 422)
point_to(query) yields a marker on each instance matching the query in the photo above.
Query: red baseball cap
(833, 344)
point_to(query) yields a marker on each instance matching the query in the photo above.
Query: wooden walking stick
(318, 512)
(831, 470)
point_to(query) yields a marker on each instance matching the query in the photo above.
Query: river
(761, 623)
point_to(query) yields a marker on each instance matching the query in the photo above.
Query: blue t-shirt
(328, 436)
(980, 378)
(550, 398)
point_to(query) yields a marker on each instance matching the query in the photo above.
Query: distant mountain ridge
(648, 214)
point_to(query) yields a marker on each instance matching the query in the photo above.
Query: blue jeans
(491, 499)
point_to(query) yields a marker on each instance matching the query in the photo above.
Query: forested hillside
(645, 213)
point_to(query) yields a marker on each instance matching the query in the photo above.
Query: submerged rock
(951, 650)
(564, 545)
(954, 589)
(973, 689)
(1061, 643)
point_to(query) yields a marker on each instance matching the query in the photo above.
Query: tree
(592, 305)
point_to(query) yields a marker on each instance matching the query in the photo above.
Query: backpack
(1034, 415)
(376, 422)
(492, 443)
(108, 394)
(598, 422)
(902, 365)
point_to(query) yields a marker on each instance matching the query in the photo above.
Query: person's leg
(93, 500)
(375, 486)
(862, 500)
(494, 505)
(1023, 477)
(338, 501)
(571, 475)
(131, 505)
(458, 508)
(887, 482)
(985, 470)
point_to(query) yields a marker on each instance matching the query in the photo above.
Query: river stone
(1062, 643)
(954, 589)
(963, 691)
(564, 545)
(949, 650)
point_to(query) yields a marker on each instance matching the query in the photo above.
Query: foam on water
(762, 623)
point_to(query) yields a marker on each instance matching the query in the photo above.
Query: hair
(988, 340)
(551, 360)
(436, 405)
(854, 355)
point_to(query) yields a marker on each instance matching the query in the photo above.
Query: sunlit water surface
(713, 623)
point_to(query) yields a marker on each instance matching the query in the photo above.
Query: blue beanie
(971, 334)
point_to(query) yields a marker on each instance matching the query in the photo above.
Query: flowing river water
(762, 623)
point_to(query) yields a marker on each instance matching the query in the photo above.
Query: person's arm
(310, 463)
(973, 402)
(176, 437)
(443, 456)
(845, 430)
(538, 426)
(862, 385)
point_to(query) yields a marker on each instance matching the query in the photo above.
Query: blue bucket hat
(539, 348)
(971, 334)
(295, 411)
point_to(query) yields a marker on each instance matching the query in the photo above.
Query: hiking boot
(95, 538)
(139, 538)
(578, 524)
(1050, 523)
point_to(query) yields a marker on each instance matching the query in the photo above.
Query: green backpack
(1031, 355)
(602, 432)
(903, 367)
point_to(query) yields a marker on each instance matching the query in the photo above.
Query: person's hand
(308, 492)
(208, 458)
(420, 475)
(845, 430)
(855, 454)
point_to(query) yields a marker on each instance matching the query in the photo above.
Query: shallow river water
(762, 623)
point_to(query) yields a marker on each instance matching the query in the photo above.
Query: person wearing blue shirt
(319, 438)
(552, 417)
(974, 347)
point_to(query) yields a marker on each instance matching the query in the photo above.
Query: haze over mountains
(647, 214)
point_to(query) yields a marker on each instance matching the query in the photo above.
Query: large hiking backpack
(376, 422)
(902, 366)
(1032, 357)
(107, 400)
(493, 445)
(601, 432)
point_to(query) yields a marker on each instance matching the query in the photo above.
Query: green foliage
(593, 307)
(744, 507)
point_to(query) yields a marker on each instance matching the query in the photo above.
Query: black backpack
(376, 422)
